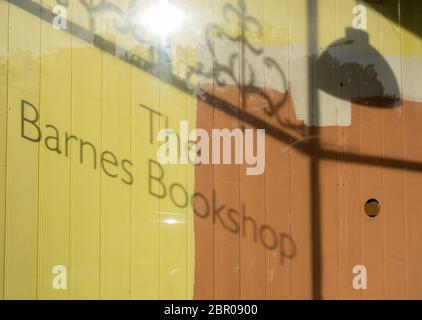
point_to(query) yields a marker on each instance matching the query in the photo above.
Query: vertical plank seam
(382, 128)
(39, 156)
(360, 159)
(100, 294)
(131, 186)
(290, 104)
(213, 167)
(338, 185)
(404, 150)
(71, 162)
(264, 184)
(70, 166)
(4, 284)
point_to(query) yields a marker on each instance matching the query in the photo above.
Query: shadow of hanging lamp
(351, 69)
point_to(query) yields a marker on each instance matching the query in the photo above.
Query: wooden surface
(295, 232)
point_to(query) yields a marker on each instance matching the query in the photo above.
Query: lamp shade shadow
(351, 69)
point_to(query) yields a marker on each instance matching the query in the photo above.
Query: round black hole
(341, 84)
(372, 208)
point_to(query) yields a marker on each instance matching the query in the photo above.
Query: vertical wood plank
(4, 66)
(22, 158)
(226, 181)
(411, 46)
(371, 128)
(173, 206)
(204, 176)
(145, 280)
(54, 180)
(393, 177)
(302, 265)
(86, 175)
(349, 206)
(252, 188)
(198, 10)
(277, 172)
(116, 175)
(327, 190)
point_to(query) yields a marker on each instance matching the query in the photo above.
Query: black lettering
(68, 138)
(55, 139)
(112, 161)
(201, 196)
(125, 164)
(234, 218)
(216, 212)
(32, 122)
(245, 219)
(94, 152)
(287, 254)
(157, 179)
(152, 113)
(185, 194)
(263, 238)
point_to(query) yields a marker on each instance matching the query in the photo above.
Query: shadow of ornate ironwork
(277, 132)
(245, 78)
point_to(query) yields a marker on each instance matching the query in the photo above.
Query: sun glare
(163, 19)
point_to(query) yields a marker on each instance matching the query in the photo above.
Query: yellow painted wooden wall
(118, 241)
